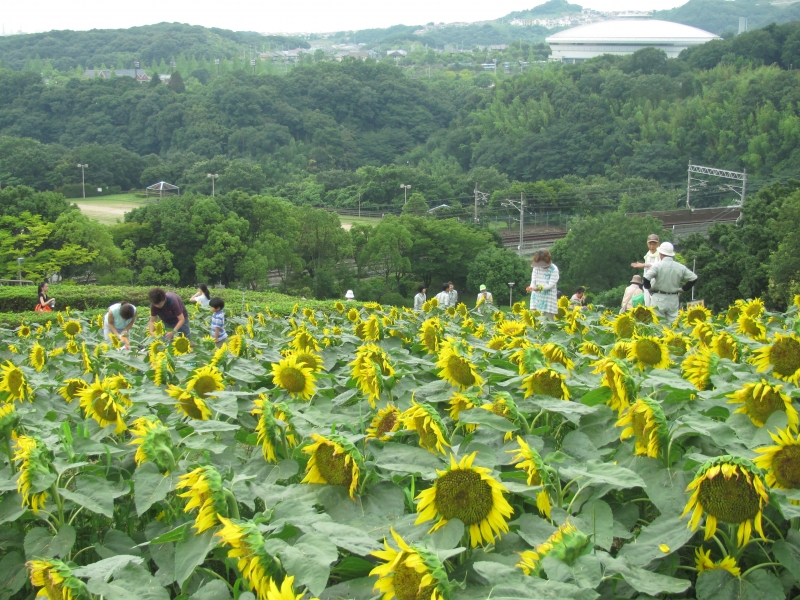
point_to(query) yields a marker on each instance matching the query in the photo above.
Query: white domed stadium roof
(632, 31)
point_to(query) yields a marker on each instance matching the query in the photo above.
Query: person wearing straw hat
(666, 279)
(651, 258)
(544, 281)
(631, 292)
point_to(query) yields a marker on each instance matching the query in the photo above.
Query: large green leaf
(407, 460)
(597, 472)
(667, 530)
(131, 582)
(478, 416)
(12, 574)
(105, 569)
(584, 572)
(213, 590)
(95, 494)
(40, 544)
(309, 560)
(347, 537)
(719, 584)
(11, 508)
(788, 553)
(150, 486)
(191, 552)
(573, 411)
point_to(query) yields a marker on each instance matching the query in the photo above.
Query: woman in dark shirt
(45, 304)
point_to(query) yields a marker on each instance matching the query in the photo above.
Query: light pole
(253, 64)
(83, 180)
(213, 177)
(405, 192)
(511, 293)
(19, 269)
(216, 62)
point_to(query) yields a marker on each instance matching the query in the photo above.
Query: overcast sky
(272, 15)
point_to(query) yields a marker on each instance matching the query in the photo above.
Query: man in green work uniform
(671, 278)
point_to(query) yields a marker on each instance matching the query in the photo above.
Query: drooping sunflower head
(385, 422)
(699, 366)
(72, 388)
(728, 489)
(456, 366)
(726, 346)
(649, 351)
(181, 345)
(461, 402)
(783, 355)
(618, 378)
(644, 314)
(644, 420)
(410, 573)
(468, 493)
(760, 399)
(734, 312)
(295, 377)
(503, 405)
(567, 543)
(675, 341)
(703, 332)
(430, 334)
(9, 419)
(37, 356)
(103, 403)
(72, 328)
(423, 418)
(334, 461)
(189, 404)
(752, 327)
(703, 563)
(530, 461)
(204, 491)
(589, 348)
(56, 580)
(624, 326)
(246, 546)
(162, 366)
(13, 383)
(205, 381)
(370, 329)
(620, 349)
(33, 463)
(555, 353)
(546, 382)
(154, 443)
(695, 315)
(529, 358)
(781, 462)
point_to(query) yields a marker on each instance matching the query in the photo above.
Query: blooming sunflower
(312, 360)
(56, 580)
(760, 399)
(14, 384)
(556, 353)
(781, 461)
(235, 345)
(189, 404)
(497, 342)
(645, 421)
(703, 563)
(181, 345)
(71, 388)
(728, 489)
(648, 351)
(303, 340)
(753, 308)
(573, 321)
(510, 328)
(353, 315)
(695, 315)
(72, 328)
(783, 355)
(410, 573)
(644, 314)
(461, 402)
(162, 366)
(752, 327)
(529, 358)
(703, 331)
(617, 377)
(154, 443)
(284, 592)
(726, 346)
(24, 331)
(294, 377)
(104, 404)
(456, 367)
(546, 382)
(530, 461)
(369, 369)
(470, 494)
(566, 543)
(205, 492)
(424, 419)
(37, 356)
(675, 341)
(334, 461)
(699, 366)
(273, 425)
(624, 326)
(430, 334)
(247, 547)
(385, 422)
(34, 461)
(9, 419)
(620, 349)
(369, 330)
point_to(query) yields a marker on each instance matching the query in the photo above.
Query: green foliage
(496, 268)
(416, 205)
(722, 16)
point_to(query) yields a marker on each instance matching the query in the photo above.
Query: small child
(218, 321)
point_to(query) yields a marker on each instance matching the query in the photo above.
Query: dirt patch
(105, 213)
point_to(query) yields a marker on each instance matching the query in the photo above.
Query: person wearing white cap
(651, 258)
(666, 280)
(349, 295)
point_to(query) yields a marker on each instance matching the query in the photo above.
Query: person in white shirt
(651, 258)
(579, 297)
(633, 290)
(485, 295)
(420, 298)
(118, 320)
(451, 290)
(202, 296)
(444, 296)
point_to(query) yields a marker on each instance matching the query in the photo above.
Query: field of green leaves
(373, 452)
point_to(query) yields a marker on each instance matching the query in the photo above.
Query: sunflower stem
(768, 520)
(759, 566)
(7, 448)
(230, 502)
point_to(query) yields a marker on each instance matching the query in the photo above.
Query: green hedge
(22, 299)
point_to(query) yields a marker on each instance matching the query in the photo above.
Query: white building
(622, 36)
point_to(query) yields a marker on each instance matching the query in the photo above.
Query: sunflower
(456, 367)
(56, 580)
(235, 345)
(369, 368)
(566, 543)
(563, 305)
(13, 384)
(645, 421)
(189, 404)
(334, 461)
(498, 342)
(430, 334)
(181, 345)
(72, 388)
(728, 489)
(573, 321)
(527, 317)
(648, 351)
(303, 340)
(72, 328)
(294, 377)
(104, 404)
(385, 422)
(546, 382)
(617, 377)
(424, 419)
(312, 360)
(410, 573)
(9, 419)
(470, 494)
(461, 402)
(369, 330)
(504, 406)
(726, 346)
(37, 357)
(284, 592)
(620, 349)
(24, 331)
(734, 312)
(205, 381)
(154, 443)
(247, 548)
(528, 359)
(753, 308)
(353, 315)
(699, 366)
(703, 563)
(704, 332)
(752, 327)
(695, 315)
(590, 349)
(162, 367)
(556, 353)
(760, 399)
(33, 460)
(644, 314)
(530, 461)
(780, 462)
(510, 328)
(624, 326)
(269, 430)
(205, 492)
(675, 341)
(783, 355)
(219, 354)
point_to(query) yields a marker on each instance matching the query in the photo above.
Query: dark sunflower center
(785, 356)
(427, 436)
(104, 406)
(15, 382)
(761, 409)
(387, 423)
(182, 344)
(548, 384)
(293, 380)
(204, 386)
(786, 467)
(406, 584)
(734, 312)
(463, 495)
(191, 407)
(695, 316)
(53, 589)
(678, 343)
(732, 500)
(648, 352)
(461, 371)
(309, 360)
(639, 422)
(332, 466)
(500, 409)
(726, 349)
(73, 387)
(750, 325)
(643, 315)
(624, 327)
(430, 338)
(72, 329)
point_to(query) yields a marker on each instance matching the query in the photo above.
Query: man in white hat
(666, 279)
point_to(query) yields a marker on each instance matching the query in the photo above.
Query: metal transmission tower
(699, 183)
(520, 206)
(480, 198)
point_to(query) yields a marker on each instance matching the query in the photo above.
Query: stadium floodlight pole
(511, 293)
(213, 177)
(83, 179)
(405, 192)
(19, 269)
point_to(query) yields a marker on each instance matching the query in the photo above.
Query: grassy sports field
(109, 209)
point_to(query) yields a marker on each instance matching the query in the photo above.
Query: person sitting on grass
(168, 307)
(202, 296)
(218, 321)
(118, 320)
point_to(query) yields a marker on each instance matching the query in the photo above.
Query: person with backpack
(634, 294)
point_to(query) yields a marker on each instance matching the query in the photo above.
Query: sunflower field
(375, 452)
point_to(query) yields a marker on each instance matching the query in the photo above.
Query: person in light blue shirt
(118, 320)
(218, 321)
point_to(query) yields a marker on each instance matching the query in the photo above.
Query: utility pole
(689, 186)
(213, 177)
(521, 219)
(405, 192)
(216, 60)
(83, 180)
(476, 203)
(359, 205)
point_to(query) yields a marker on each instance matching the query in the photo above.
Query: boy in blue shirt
(218, 321)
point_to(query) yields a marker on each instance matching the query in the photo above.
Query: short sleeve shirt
(218, 320)
(119, 322)
(169, 313)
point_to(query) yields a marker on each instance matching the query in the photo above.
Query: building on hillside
(137, 74)
(624, 35)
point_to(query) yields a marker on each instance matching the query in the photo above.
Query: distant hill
(721, 16)
(548, 10)
(120, 47)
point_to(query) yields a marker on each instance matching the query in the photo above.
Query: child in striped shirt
(218, 321)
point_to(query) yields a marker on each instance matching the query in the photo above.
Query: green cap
(483, 287)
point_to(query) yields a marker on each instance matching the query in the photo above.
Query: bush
(610, 299)
(393, 299)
